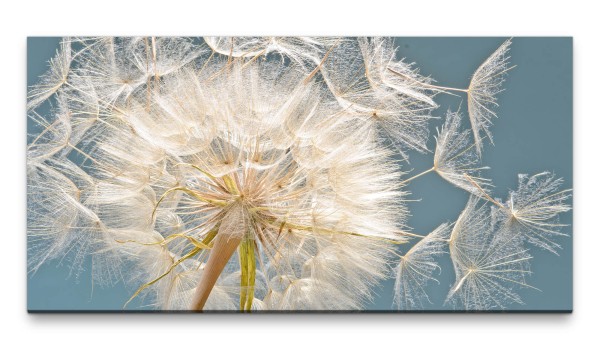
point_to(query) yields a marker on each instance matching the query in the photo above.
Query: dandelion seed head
(456, 159)
(177, 150)
(261, 173)
(485, 84)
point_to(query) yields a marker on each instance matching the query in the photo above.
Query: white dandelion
(221, 183)
(259, 173)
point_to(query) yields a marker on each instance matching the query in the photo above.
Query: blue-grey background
(533, 133)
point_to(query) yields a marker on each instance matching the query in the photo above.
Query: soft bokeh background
(533, 133)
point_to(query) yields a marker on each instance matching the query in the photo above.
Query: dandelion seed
(61, 226)
(306, 52)
(534, 207)
(364, 87)
(118, 67)
(481, 93)
(456, 159)
(53, 79)
(384, 70)
(490, 262)
(416, 267)
(54, 137)
(485, 84)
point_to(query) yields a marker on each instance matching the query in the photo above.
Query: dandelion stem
(148, 90)
(485, 195)
(418, 175)
(46, 129)
(254, 58)
(314, 72)
(413, 235)
(222, 250)
(154, 59)
(460, 283)
(427, 85)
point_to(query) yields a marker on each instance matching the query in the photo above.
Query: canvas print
(284, 174)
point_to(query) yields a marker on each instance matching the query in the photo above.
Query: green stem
(248, 276)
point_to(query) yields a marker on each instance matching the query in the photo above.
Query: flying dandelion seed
(416, 269)
(534, 207)
(489, 261)
(455, 158)
(262, 173)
